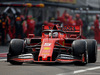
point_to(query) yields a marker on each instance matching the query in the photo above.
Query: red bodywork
(49, 44)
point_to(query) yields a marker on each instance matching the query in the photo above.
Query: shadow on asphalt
(42, 64)
(55, 64)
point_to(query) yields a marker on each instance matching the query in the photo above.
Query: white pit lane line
(80, 71)
(4, 53)
(3, 59)
(88, 69)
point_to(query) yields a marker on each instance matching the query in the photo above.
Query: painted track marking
(80, 71)
(88, 69)
(3, 59)
(3, 54)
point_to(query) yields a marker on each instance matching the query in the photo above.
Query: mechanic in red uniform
(79, 22)
(66, 19)
(30, 25)
(61, 18)
(96, 29)
(69, 20)
(18, 26)
(72, 22)
(24, 24)
(12, 26)
(5, 27)
(1, 29)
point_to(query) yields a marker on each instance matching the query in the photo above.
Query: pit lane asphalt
(48, 69)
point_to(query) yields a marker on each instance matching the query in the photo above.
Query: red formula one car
(58, 44)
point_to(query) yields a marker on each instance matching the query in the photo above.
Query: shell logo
(46, 48)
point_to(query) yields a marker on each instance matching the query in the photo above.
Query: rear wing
(51, 26)
(72, 30)
(47, 27)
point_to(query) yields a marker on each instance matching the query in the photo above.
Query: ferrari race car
(57, 44)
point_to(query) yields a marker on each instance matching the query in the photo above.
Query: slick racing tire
(80, 49)
(92, 50)
(16, 47)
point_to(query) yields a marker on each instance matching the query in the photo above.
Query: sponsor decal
(46, 48)
(45, 53)
(48, 27)
(47, 44)
(69, 28)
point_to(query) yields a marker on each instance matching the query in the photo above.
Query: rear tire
(92, 50)
(79, 49)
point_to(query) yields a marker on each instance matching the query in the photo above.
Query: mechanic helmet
(67, 15)
(49, 34)
(77, 16)
(97, 16)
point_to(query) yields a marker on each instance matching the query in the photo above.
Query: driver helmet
(55, 34)
(49, 34)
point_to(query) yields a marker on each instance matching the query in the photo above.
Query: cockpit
(53, 34)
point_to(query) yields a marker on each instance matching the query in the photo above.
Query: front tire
(80, 50)
(16, 48)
